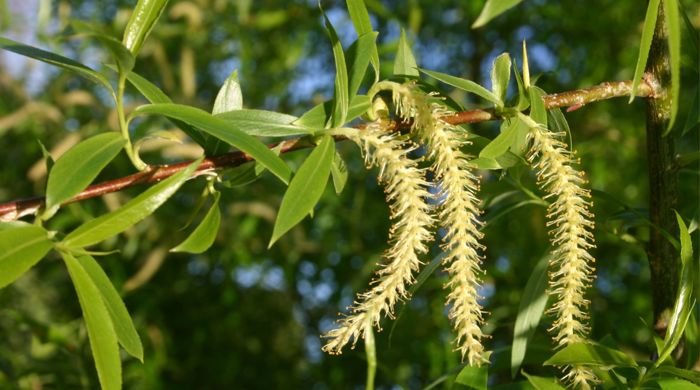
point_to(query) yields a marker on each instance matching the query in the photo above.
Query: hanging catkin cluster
(571, 223)
(458, 214)
(407, 192)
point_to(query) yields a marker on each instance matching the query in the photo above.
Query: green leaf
(265, 123)
(103, 338)
(339, 173)
(121, 320)
(360, 19)
(359, 55)
(305, 189)
(142, 21)
(558, 123)
(644, 45)
(502, 142)
(121, 55)
(222, 130)
(591, 355)
(520, 144)
(204, 235)
(474, 377)
(682, 308)
(317, 117)
(405, 62)
(673, 26)
(493, 8)
(523, 96)
(500, 76)
(689, 375)
(230, 97)
(57, 60)
(542, 383)
(466, 85)
(532, 304)
(341, 97)
(155, 95)
(538, 112)
(132, 212)
(81, 164)
(675, 384)
(21, 246)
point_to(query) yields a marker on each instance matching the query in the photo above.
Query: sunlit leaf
(360, 19)
(57, 60)
(542, 383)
(689, 375)
(155, 95)
(675, 384)
(341, 97)
(142, 21)
(474, 377)
(339, 173)
(222, 130)
(532, 304)
(230, 96)
(305, 189)
(644, 45)
(500, 76)
(79, 166)
(502, 142)
(591, 355)
(405, 61)
(121, 320)
(204, 235)
(21, 246)
(359, 55)
(103, 339)
(265, 123)
(317, 117)
(538, 112)
(135, 210)
(463, 84)
(493, 8)
(121, 55)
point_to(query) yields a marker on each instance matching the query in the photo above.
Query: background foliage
(241, 314)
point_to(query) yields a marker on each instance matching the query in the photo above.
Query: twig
(14, 210)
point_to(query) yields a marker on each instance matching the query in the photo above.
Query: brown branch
(16, 209)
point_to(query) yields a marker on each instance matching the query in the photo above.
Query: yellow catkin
(407, 192)
(458, 215)
(571, 223)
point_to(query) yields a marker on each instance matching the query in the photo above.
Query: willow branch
(14, 210)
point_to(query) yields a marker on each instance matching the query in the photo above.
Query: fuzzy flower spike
(406, 191)
(571, 223)
(458, 214)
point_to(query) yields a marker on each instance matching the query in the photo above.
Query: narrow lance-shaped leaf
(305, 189)
(590, 354)
(475, 378)
(230, 97)
(644, 45)
(103, 339)
(493, 8)
(532, 305)
(222, 130)
(21, 246)
(155, 95)
(339, 172)
(502, 142)
(142, 21)
(359, 55)
(500, 76)
(363, 25)
(121, 320)
(317, 117)
(541, 383)
(673, 26)
(204, 235)
(79, 166)
(538, 112)
(121, 55)
(56, 60)
(265, 123)
(405, 62)
(341, 97)
(463, 84)
(132, 212)
(682, 308)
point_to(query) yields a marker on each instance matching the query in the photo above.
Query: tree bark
(663, 181)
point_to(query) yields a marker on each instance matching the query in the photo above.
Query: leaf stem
(124, 125)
